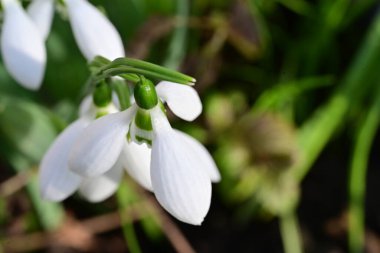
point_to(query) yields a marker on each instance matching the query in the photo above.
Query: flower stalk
(357, 178)
(290, 233)
(126, 65)
(124, 200)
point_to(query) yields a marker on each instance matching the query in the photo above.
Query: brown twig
(15, 183)
(73, 233)
(170, 229)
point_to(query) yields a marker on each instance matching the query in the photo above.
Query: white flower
(42, 12)
(181, 183)
(93, 32)
(181, 169)
(24, 33)
(22, 46)
(57, 182)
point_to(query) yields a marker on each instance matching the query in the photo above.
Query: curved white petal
(136, 160)
(57, 182)
(93, 32)
(87, 109)
(204, 159)
(99, 188)
(99, 147)
(22, 46)
(41, 11)
(180, 185)
(183, 100)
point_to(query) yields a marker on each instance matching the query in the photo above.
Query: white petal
(93, 32)
(57, 182)
(179, 184)
(22, 46)
(99, 188)
(87, 109)
(183, 100)
(99, 147)
(205, 160)
(136, 160)
(41, 11)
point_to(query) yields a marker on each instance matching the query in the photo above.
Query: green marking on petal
(100, 114)
(143, 120)
(143, 140)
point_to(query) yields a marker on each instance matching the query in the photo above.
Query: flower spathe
(181, 170)
(22, 46)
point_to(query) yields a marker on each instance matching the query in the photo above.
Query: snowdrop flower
(42, 12)
(181, 170)
(57, 182)
(93, 32)
(22, 46)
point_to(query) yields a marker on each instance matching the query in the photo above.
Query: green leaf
(177, 47)
(26, 126)
(362, 76)
(125, 196)
(28, 131)
(358, 175)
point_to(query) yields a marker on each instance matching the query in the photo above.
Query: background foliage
(291, 109)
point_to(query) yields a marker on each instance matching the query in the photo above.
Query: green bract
(130, 69)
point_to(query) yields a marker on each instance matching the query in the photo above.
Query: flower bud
(145, 94)
(102, 95)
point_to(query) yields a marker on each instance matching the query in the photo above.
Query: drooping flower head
(22, 46)
(42, 13)
(24, 33)
(181, 170)
(93, 32)
(57, 181)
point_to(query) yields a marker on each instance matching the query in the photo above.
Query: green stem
(134, 64)
(178, 41)
(122, 71)
(357, 179)
(361, 77)
(122, 92)
(124, 199)
(290, 233)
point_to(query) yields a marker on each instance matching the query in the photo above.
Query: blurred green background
(291, 94)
